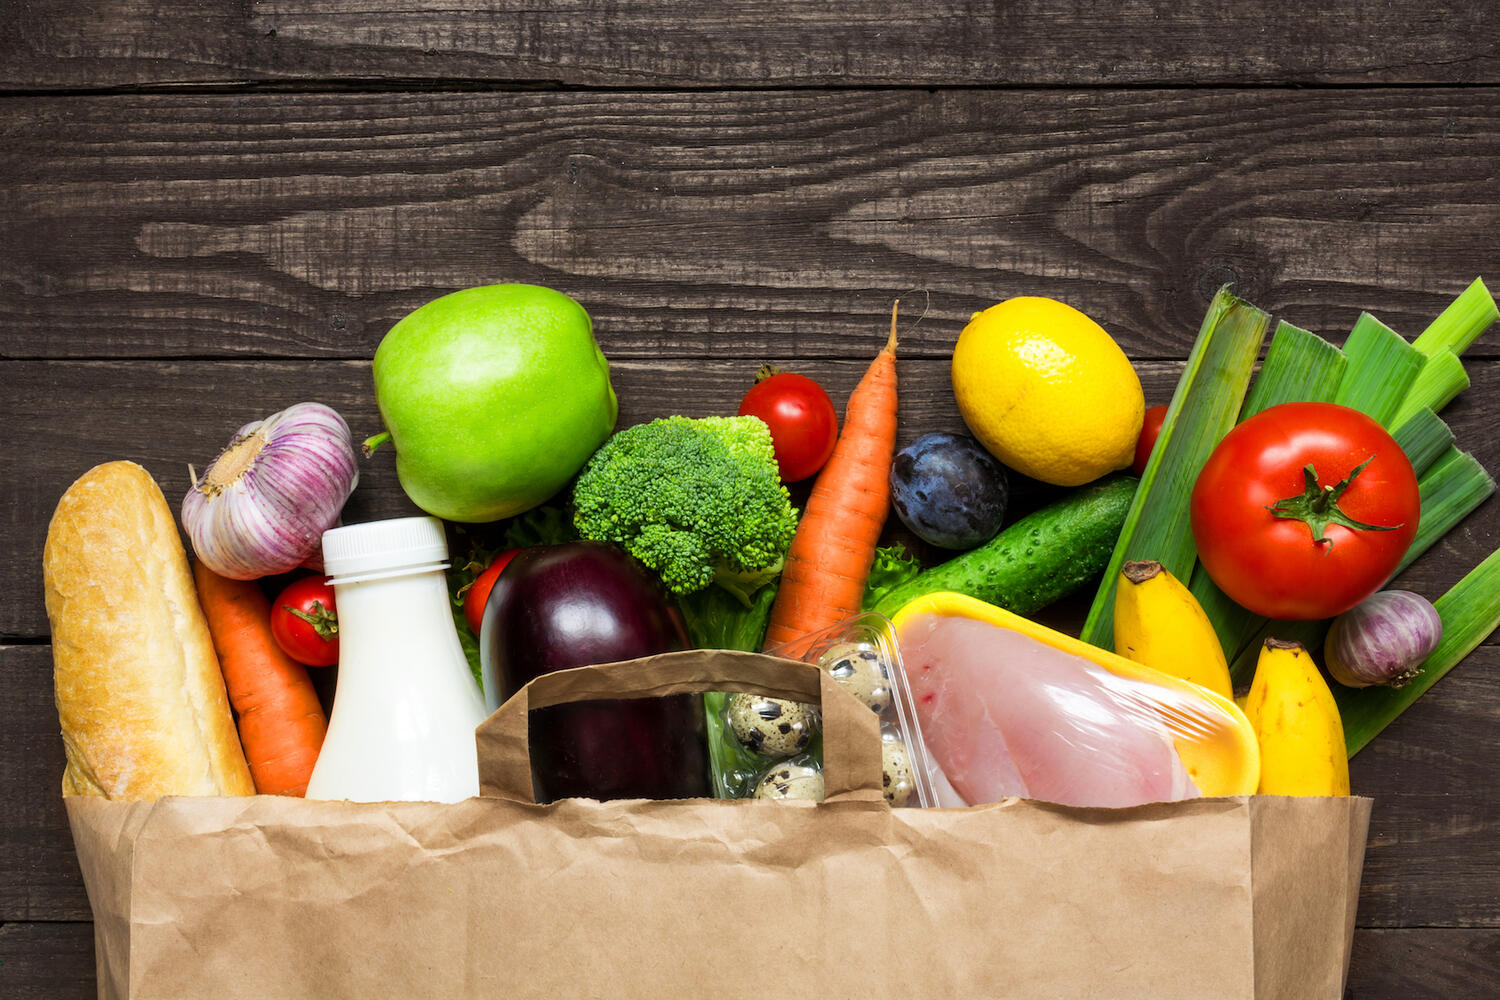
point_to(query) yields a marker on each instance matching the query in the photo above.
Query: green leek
(1381, 369)
(1441, 378)
(1202, 411)
(1424, 437)
(1470, 613)
(1451, 490)
(1299, 367)
(1461, 323)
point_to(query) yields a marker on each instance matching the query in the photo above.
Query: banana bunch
(1297, 723)
(1158, 622)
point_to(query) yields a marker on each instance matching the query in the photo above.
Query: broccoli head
(699, 501)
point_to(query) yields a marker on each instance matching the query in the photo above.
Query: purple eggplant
(561, 606)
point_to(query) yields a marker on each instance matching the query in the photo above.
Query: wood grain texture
(1436, 819)
(166, 415)
(795, 43)
(749, 224)
(47, 961)
(42, 880)
(1423, 964)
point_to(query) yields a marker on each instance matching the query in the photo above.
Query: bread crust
(139, 693)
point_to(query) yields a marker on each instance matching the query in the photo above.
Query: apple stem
(371, 443)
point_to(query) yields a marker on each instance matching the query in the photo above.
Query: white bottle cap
(380, 549)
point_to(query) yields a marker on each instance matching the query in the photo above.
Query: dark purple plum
(561, 606)
(949, 491)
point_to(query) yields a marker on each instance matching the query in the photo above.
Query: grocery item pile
(1242, 537)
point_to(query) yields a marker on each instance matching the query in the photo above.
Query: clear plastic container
(750, 736)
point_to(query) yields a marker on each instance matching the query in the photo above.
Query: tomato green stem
(323, 621)
(1318, 506)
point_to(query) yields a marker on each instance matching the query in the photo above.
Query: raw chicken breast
(1004, 714)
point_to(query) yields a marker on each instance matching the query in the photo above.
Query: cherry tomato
(304, 622)
(479, 592)
(1304, 510)
(804, 426)
(1150, 429)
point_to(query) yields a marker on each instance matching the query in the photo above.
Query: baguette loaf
(139, 693)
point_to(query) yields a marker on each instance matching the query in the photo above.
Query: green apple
(494, 397)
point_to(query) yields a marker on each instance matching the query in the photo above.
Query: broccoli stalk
(698, 501)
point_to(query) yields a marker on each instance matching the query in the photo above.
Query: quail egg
(860, 668)
(896, 779)
(790, 781)
(771, 726)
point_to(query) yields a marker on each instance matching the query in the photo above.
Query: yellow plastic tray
(1225, 760)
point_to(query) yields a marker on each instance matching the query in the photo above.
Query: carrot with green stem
(281, 722)
(829, 559)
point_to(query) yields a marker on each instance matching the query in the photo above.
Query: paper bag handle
(851, 732)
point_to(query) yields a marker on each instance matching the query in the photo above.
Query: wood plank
(798, 43)
(166, 415)
(1435, 820)
(1424, 962)
(48, 961)
(760, 224)
(36, 847)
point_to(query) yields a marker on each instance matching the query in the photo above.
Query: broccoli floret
(699, 501)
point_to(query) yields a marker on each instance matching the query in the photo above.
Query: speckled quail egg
(771, 726)
(860, 668)
(790, 781)
(896, 779)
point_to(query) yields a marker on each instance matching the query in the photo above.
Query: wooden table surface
(211, 209)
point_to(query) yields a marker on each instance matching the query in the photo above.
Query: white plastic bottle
(406, 706)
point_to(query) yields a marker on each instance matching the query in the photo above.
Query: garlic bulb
(1382, 640)
(264, 503)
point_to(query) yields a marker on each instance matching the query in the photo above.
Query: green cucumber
(1042, 557)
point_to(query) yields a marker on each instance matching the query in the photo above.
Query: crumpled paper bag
(267, 897)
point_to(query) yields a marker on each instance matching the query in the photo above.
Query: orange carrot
(281, 722)
(829, 560)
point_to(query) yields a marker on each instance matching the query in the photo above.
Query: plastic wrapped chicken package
(765, 747)
(1011, 708)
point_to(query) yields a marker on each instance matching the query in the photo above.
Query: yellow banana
(1158, 622)
(1297, 723)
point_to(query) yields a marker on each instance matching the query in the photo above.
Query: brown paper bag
(270, 897)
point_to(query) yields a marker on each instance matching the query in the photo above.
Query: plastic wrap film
(1010, 708)
(759, 738)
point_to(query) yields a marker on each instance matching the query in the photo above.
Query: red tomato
(804, 426)
(304, 622)
(1150, 428)
(479, 592)
(1336, 478)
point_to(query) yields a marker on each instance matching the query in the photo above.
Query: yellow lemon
(1047, 391)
